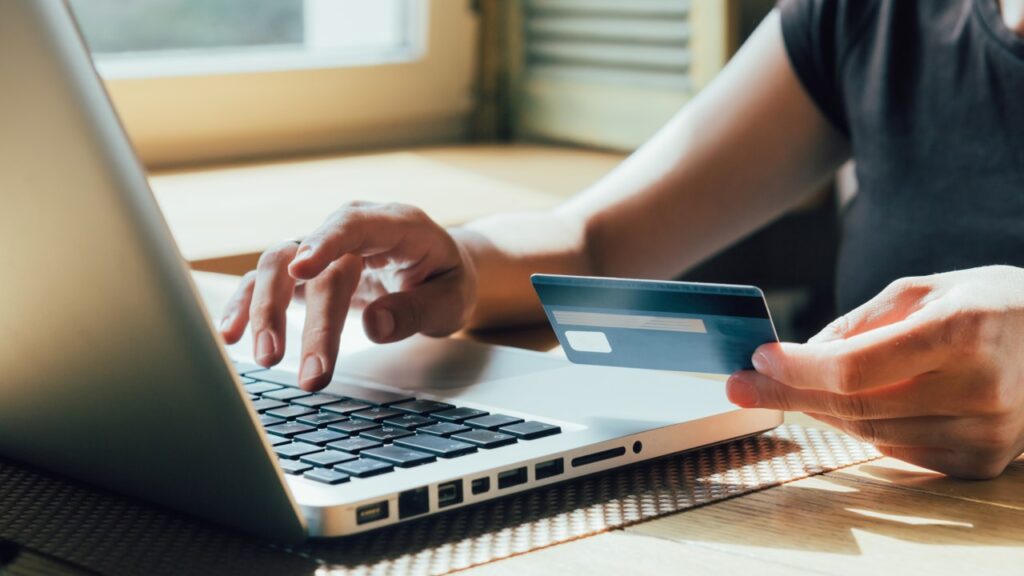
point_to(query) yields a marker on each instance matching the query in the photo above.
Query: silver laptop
(111, 371)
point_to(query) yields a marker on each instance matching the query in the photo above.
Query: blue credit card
(683, 326)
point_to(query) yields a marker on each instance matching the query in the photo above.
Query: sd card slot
(598, 456)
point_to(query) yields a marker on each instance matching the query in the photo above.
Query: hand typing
(406, 272)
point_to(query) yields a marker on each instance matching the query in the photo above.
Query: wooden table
(880, 517)
(223, 217)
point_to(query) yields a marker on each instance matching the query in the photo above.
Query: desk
(224, 217)
(873, 518)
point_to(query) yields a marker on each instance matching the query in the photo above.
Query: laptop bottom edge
(516, 477)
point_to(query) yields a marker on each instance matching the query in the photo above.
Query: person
(926, 362)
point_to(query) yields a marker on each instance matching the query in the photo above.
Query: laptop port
(598, 456)
(449, 493)
(481, 485)
(510, 478)
(413, 502)
(548, 469)
(372, 512)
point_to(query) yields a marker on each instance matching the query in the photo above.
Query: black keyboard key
(346, 407)
(277, 440)
(276, 376)
(321, 419)
(270, 420)
(443, 447)
(409, 421)
(317, 400)
(295, 449)
(264, 404)
(327, 458)
(352, 427)
(290, 412)
(386, 434)
(261, 387)
(376, 414)
(289, 429)
(486, 438)
(326, 476)
(492, 421)
(531, 430)
(422, 406)
(294, 466)
(444, 429)
(364, 467)
(371, 396)
(354, 445)
(458, 414)
(401, 457)
(320, 437)
(286, 394)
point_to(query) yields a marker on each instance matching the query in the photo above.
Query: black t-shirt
(930, 94)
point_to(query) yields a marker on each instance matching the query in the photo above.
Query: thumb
(435, 308)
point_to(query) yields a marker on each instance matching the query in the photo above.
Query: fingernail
(312, 368)
(741, 391)
(265, 347)
(383, 323)
(761, 363)
(304, 253)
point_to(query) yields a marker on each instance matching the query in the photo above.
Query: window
(200, 81)
(188, 37)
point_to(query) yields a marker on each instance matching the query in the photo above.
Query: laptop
(113, 374)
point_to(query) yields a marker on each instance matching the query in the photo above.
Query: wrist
(466, 243)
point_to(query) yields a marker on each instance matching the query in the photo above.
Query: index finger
(327, 306)
(880, 357)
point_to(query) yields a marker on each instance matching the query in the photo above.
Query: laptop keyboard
(362, 433)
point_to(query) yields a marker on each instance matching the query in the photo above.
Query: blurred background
(114, 27)
(257, 117)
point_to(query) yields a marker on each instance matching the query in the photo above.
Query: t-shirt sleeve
(818, 34)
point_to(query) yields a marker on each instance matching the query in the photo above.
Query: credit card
(659, 325)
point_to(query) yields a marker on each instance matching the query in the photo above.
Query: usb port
(449, 493)
(413, 502)
(548, 469)
(372, 512)
(481, 485)
(510, 478)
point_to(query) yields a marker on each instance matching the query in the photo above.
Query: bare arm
(750, 146)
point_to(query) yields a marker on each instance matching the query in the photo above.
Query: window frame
(425, 95)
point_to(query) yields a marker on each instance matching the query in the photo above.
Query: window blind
(609, 73)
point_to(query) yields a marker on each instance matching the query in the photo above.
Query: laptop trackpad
(538, 384)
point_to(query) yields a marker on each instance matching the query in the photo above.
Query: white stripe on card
(630, 321)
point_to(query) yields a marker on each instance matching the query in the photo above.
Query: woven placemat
(100, 532)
